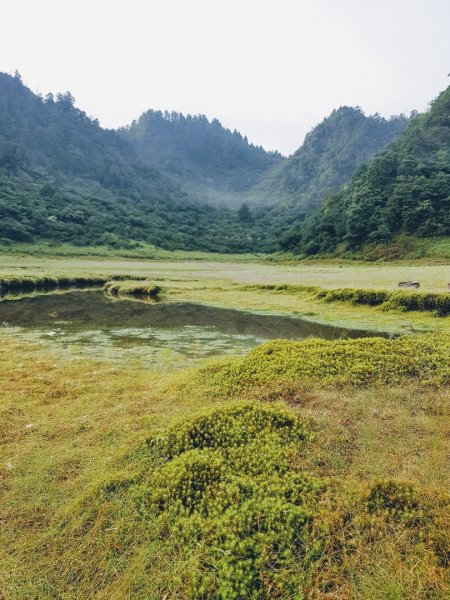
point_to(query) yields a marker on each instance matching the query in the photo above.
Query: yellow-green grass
(403, 247)
(70, 428)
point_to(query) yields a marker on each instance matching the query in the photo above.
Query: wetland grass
(118, 482)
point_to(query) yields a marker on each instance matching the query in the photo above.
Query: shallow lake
(90, 323)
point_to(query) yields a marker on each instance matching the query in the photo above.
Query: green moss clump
(228, 488)
(236, 426)
(424, 358)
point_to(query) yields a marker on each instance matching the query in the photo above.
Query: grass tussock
(142, 292)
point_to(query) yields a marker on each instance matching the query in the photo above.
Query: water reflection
(90, 322)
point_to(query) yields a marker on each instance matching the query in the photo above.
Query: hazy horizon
(270, 69)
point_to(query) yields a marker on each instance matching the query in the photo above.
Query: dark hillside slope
(64, 178)
(405, 189)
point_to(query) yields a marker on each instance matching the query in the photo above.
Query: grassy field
(135, 251)
(118, 482)
(324, 274)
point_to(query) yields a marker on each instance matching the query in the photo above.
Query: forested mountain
(212, 163)
(404, 189)
(329, 156)
(64, 178)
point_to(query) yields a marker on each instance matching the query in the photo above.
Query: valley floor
(79, 444)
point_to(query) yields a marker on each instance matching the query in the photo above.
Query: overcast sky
(270, 68)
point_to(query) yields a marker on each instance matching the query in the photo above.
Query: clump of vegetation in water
(137, 291)
(425, 358)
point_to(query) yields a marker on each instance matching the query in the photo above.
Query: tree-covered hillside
(64, 178)
(212, 163)
(329, 156)
(405, 189)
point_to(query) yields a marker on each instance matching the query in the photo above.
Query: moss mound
(425, 358)
(230, 486)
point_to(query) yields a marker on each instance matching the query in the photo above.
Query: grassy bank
(404, 301)
(23, 284)
(121, 483)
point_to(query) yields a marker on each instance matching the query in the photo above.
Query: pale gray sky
(270, 68)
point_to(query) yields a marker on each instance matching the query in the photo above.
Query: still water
(90, 323)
